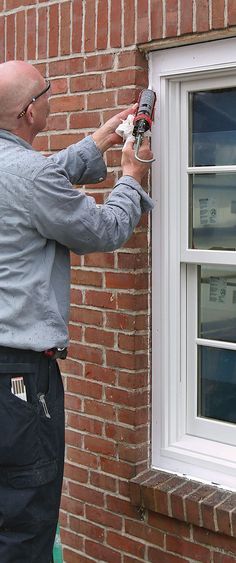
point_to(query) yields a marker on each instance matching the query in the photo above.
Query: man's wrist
(136, 177)
(100, 142)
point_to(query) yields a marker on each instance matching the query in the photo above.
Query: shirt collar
(14, 139)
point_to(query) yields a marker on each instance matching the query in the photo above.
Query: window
(194, 262)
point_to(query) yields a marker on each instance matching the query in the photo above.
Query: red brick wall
(89, 50)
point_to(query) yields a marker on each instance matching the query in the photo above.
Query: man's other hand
(105, 137)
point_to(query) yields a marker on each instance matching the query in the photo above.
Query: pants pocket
(29, 427)
(31, 447)
(29, 495)
(19, 442)
(35, 476)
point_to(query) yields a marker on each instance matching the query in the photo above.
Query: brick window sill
(206, 506)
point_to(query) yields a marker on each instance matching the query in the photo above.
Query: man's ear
(30, 114)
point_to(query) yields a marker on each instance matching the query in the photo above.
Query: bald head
(19, 82)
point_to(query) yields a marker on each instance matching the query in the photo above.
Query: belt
(51, 353)
(56, 353)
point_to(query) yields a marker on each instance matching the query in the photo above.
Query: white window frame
(176, 442)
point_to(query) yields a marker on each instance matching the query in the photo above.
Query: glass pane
(212, 208)
(213, 130)
(217, 384)
(217, 303)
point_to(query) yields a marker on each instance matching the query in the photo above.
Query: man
(42, 218)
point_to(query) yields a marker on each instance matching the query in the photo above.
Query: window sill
(203, 505)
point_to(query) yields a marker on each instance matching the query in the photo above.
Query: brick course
(89, 49)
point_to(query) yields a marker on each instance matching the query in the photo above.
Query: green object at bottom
(57, 549)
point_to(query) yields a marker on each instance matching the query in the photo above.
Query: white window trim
(174, 448)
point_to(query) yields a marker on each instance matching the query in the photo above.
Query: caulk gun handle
(137, 145)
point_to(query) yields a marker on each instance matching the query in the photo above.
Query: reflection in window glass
(217, 303)
(212, 211)
(213, 134)
(217, 384)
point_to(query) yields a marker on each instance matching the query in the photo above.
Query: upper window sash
(191, 173)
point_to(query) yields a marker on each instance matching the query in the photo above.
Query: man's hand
(133, 167)
(105, 137)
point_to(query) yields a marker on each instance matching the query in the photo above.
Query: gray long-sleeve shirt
(42, 218)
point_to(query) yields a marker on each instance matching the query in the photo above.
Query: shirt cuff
(146, 202)
(96, 170)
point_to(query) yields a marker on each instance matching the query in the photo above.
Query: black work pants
(31, 456)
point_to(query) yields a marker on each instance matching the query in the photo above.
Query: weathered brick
(103, 517)
(202, 15)
(102, 24)
(66, 67)
(86, 83)
(208, 508)
(76, 473)
(186, 17)
(99, 409)
(125, 544)
(231, 12)
(2, 38)
(87, 494)
(102, 552)
(218, 13)
(10, 33)
(12, 4)
(146, 533)
(171, 18)
(87, 353)
(65, 28)
(81, 276)
(193, 502)
(155, 554)
(105, 482)
(89, 36)
(156, 19)
(188, 549)
(115, 23)
(67, 103)
(84, 423)
(58, 142)
(224, 515)
(77, 23)
(101, 299)
(20, 35)
(98, 62)
(31, 34)
(42, 32)
(129, 16)
(101, 100)
(87, 529)
(82, 458)
(142, 22)
(96, 335)
(53, 30)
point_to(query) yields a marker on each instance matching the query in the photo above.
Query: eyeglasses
(23, 112)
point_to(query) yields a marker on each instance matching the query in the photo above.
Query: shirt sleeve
(65, 214)
(82, 162)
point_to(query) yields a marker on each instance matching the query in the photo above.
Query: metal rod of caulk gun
(138, 143)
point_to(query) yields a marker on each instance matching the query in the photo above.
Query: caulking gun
(143, 119)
